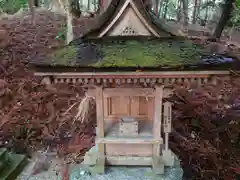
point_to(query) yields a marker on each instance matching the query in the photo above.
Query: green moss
(128, 53)
(63, 56)
(134, 53)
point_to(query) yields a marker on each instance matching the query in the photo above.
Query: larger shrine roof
(154, 46)
(132, 52)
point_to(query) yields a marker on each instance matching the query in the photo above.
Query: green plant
(12, 6)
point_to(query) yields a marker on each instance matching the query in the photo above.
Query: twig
(234, 72)
(69, 108)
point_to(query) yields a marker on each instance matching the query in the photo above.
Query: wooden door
(139, 107)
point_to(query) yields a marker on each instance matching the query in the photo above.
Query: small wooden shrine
(129, 61)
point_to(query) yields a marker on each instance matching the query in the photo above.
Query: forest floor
(206, 119)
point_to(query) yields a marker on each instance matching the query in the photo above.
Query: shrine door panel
(136, 106)
(142, 107)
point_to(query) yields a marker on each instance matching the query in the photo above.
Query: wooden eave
(165, 78)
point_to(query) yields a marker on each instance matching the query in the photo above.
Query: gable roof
(103, 23)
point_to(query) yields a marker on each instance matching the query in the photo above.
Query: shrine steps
(156, 163)
(130, 161)
(11, 165)
(91, 159)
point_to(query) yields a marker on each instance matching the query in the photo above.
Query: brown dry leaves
(206, 125)
(206, 122)
(33, 115)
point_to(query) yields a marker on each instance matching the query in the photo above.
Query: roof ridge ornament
(129, 31)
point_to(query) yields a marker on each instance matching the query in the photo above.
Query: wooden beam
(167, 74)
(129, 160)
(142, 140)
(157, 118)
(120, 12)
(100, 117)
(110, 92)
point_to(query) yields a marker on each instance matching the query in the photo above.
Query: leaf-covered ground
(206, 120)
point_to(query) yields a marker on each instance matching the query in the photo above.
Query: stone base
(168, 157)
(99, 168)
(92, 159)
(157, 165)
(92, 156)
(127, 173)
(97, 163)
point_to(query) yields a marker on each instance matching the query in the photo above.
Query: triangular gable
(127, 17)
(128, 21)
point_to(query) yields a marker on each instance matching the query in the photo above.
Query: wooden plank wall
(139, 107)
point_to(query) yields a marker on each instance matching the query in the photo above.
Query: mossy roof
(125, 52)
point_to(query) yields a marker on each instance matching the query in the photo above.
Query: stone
(90, 157)
(168, 157)
(128, 127)
(129, 173)
(158, 166)
(99, 168)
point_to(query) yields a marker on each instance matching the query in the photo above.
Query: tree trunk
(36, 3)
(179, 11)
(88, 5)
(156, 7)
(101, 5)
(32, 9)
(148, 4)
(75, 8)
(66, 6)
(226, 15)
(206, 15)
(195, 11)
(69, 36)
(165, 9)
(95, 5)
(161, 8)
(185, 11)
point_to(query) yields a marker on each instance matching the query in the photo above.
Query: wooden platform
(140, 145)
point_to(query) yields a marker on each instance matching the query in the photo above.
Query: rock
(42, 163)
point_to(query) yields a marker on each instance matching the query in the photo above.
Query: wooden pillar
(157, 118)
(167, 128)
(168, 158)
(157, 164)
(100, 128)
(46, 80)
